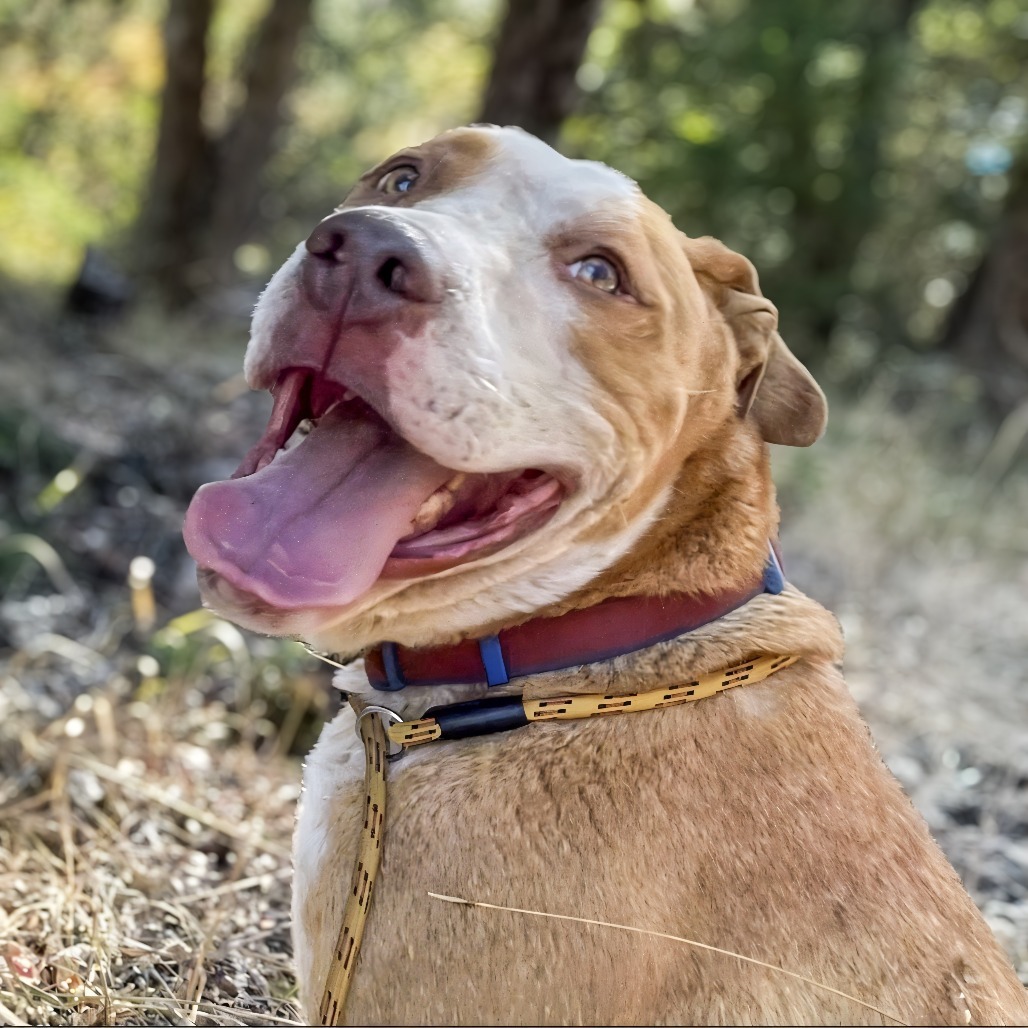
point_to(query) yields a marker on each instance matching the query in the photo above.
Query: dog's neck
(712, 535)
(788, 622)
(711, 538)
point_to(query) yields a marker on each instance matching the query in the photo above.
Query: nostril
(326, 241)
(392, 275)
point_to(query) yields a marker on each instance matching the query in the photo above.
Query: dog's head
(489, 365)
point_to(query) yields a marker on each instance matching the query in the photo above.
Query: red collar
(608, 629)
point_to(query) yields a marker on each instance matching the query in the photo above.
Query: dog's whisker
(489, 385)
(460, 901)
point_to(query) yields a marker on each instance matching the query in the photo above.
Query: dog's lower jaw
(447, 609)
(706, 532)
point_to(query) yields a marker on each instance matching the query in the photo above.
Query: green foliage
(79, 104)
(842, 146)
(960, 123)
(857, 151)
(81, 95)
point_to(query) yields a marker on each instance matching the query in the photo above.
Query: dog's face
(501, 358)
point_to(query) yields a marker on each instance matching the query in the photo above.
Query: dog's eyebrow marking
(459, 901)
(373, 174)
(434, 166)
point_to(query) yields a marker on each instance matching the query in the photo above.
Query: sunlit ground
(150, 754)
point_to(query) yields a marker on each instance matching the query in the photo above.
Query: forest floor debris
(149, 752)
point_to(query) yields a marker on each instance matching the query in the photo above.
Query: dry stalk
(670, 938)
(183, 807)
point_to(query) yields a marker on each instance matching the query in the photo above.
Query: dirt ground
(150, 754)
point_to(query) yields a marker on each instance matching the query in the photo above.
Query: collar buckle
(388, 717)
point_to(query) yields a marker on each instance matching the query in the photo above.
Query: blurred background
(158, 160)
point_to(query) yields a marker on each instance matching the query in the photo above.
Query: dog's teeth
(431, 511)
(438, 505)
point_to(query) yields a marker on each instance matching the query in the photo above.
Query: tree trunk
(834, 231)
(249, 141)
(203, 193)
(537, 54)
(175, 209)
(988, 327)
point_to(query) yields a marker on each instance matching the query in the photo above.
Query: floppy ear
(772, 386)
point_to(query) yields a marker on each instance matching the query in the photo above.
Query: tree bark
(834, 231)
(536, 58)
(249, 141)
(175, 208)
(203, 193)
(988, 327)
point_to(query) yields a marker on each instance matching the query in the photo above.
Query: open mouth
(331, 499)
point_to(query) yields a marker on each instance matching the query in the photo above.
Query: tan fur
(448, 160)
(761, 821)
(784, 401)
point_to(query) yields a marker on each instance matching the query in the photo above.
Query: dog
(532, 399)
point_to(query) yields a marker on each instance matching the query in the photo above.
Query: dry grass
(144, 865)
(150, 771)
(148, 754)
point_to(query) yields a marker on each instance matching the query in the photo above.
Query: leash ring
(389, 716)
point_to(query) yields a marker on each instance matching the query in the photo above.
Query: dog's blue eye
(596, 271)
(398, 180)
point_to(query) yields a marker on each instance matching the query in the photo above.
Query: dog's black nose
(384, 255)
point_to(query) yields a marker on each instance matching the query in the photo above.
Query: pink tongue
(315, 527)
